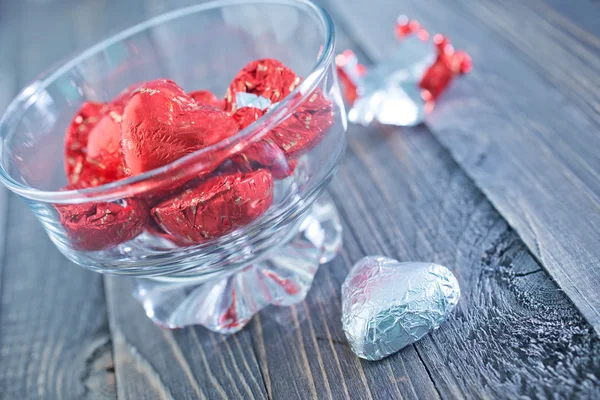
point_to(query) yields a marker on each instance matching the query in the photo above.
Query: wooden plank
(302, 351)
(54, 339)
(185, 364)
(514, 333)
(188, 363)
(401, 194)
(8, 89)
(523, 124)
(304, 354)
(582, 21)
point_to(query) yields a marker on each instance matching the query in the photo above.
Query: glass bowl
(219, 282)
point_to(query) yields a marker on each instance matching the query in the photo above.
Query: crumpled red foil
(348, 86)
(98, 226)
(267, 77)
(207, 97)
(271, 79)
(374, 93)
(152, 124)
(263, 154)
(161, 124)
(78, 171)
(448, 64)
(305, 127)
(217, 206)
(247, 115)
(92, 144)
(104, 146)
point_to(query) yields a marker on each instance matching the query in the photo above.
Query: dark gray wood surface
(54, 337)
(67, 333)
(524, 124)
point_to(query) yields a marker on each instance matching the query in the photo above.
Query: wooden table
(502, 185)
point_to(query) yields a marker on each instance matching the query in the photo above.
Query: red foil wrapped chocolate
(274, 81)
(161, 124)
(268, 78)
(217, 206)
(305, 127)
(92, 144)
(93, 157)
(97, 226)
(265, 153)
(104, 146)
(79, 171)
(207, 97)
(152, 124)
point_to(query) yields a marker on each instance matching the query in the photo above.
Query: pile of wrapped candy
(152, 124)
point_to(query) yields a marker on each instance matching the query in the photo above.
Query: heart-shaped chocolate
(104, 145)
(93, 149)
(387, 305)
(161, 124)
(216, 206)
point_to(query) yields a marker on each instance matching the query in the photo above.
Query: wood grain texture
(182, 364)
(400, 193)
(54, 333)
(523, 124)
(54, 339)
(191, 363)
(582, 21)
(514, 333)
(8, 89)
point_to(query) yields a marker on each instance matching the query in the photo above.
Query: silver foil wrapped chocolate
(388, 305)
(404, 88)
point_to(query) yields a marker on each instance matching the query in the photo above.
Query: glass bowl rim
(121, 188)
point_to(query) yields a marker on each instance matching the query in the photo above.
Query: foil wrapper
(215, 207)
(388, 305)
(161, 124)
(267, 78)
(404, 88)
(265, 153)
(243, 99)
(92, 152)
(151, 124)
(207, 97)
(97, 226)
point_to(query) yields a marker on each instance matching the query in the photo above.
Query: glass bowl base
(226, 304)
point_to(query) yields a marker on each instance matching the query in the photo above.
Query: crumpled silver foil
(243, 99)
(389, 92)
(388, 305)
